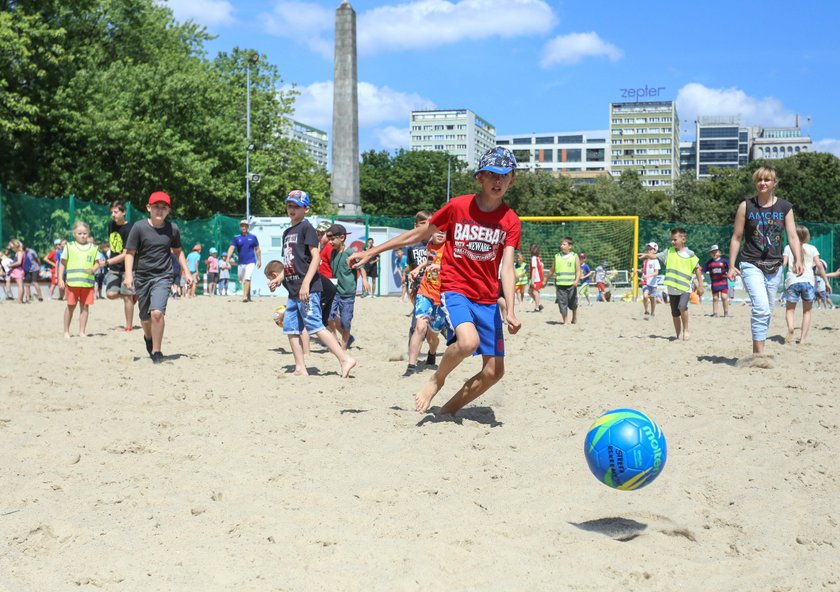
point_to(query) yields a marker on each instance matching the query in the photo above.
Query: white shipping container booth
(269, 231)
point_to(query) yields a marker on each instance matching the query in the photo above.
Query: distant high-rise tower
(345, 127)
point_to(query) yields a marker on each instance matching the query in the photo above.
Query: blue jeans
(762, 290)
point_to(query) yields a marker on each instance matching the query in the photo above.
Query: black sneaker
(410, 370)
(431, 361)
(157, 357)
(148, 341)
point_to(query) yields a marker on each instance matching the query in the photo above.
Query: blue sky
(538, 66)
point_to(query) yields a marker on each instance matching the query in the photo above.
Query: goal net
(614, 239)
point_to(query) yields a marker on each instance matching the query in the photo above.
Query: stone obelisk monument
(345, 125)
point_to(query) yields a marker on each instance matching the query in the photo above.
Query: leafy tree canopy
(114, 98)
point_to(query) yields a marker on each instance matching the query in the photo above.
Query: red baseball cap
(159, 197)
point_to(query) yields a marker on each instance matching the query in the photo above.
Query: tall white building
(459, 132)
(645, 137)
(315, 142)
(559, 152)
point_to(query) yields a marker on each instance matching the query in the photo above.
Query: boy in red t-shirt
(482, 234)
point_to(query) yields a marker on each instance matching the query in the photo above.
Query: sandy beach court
(218, 470)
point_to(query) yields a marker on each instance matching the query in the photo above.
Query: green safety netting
(38, 221)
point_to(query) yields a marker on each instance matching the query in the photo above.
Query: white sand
(217, 470)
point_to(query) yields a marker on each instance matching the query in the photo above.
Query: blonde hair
(804, 236)
(765, 172)
(15, 244)
(80, 224)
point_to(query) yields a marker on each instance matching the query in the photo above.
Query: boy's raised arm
(408, 237)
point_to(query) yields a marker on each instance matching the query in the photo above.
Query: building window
(595, 154)
(522, 141)
(545, 139)
(570, 139)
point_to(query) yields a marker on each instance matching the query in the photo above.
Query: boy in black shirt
(118, 231)
(300, 277)
(151, 243)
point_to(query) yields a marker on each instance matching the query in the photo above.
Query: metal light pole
(448, 176)
(252, 61)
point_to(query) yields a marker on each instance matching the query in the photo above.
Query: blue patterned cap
(298, 197)
(497, 160)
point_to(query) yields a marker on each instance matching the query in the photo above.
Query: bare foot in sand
(423, 398)
(300, 372)
(346, 366)
(789, 340)
(685, 336)
(67, 336)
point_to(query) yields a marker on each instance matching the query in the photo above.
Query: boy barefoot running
(482, 233)
(299, 275)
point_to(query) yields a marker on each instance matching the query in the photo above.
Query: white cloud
(205, 12)
(434, 23)
(377, 105)
(393, 138)
(695, 100)
(572, 48)
(828, 145)
(304, 23)
(419, 24)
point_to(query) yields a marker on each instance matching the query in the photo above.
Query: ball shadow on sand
(617, 528)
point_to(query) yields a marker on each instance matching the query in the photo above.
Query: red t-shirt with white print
(475, 241)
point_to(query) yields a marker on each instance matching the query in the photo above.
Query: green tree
(402, 183)
(543, 194)
(114, 98)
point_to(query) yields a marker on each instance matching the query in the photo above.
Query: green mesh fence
(38, 221)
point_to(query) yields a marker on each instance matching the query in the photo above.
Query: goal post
(603, 238)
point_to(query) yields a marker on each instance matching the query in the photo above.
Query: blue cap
(299, 198)
(497, 160)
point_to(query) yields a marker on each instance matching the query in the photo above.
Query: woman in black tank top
(760, 222)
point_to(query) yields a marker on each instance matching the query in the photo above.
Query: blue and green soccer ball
(625, 449)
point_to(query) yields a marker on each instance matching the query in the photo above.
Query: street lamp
(448, 176)
(253, 59)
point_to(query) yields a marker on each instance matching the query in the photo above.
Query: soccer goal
(614, 239)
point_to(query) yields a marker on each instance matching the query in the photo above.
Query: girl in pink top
(212, 272)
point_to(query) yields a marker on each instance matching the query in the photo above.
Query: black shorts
(327, 297)
(679, 303)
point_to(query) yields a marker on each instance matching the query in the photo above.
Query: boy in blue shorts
(299, 275)
(344, 301)
(482, 234)
(429, 318)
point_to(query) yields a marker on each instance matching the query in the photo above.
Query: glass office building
(722, 143)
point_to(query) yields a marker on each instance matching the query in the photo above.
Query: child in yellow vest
(566, 273)
(79, 262)
(680, 265)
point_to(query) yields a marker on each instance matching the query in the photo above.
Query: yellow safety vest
(564, 269)
(679, 270)
(78, 262)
